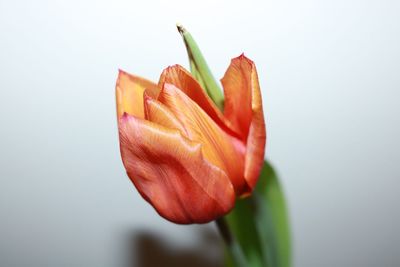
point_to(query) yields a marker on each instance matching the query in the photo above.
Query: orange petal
(170, 173)
(129, 92)
(182, 79)
(243, 107)
(219, 148)
(237, 90)
(158, 113)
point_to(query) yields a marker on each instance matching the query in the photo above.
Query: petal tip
(124, 117)
(120, 77)
(242, 57)
(121, 72)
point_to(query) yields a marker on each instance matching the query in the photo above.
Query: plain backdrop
(329, 72)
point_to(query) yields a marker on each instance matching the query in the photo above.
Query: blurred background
(329, 72)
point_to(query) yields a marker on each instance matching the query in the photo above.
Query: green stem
(232, 245)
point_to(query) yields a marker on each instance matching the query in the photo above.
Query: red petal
(170, 173)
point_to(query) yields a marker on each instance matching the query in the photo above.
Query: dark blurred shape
(149, 249)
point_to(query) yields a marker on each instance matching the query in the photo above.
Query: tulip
(187, 158)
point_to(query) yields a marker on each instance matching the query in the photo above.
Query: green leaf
(196, 74)
(261, 224)
(244, 229)
(200, 68)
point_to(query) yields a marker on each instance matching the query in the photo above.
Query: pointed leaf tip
(200, 68)
(180, 28)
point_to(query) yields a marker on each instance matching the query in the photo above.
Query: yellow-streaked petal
(219, 148)
(129, 94)
(243, 107)
(170, 172)
(158, 113)
(183, 80)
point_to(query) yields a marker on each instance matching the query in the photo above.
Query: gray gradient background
(329, 72)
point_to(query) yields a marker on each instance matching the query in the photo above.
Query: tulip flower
(186, 157)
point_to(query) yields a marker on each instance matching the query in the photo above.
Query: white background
(329, 72)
